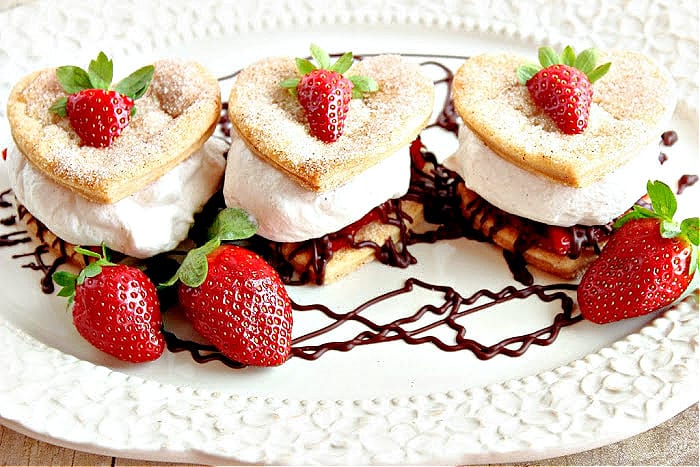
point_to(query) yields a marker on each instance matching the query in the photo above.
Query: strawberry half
(648, 263)
(115, 308)
(325, 93)
(562, 85)
(97, 113)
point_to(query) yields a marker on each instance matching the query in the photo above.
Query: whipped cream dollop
(151, 221)
(287, 212)
(535, 197)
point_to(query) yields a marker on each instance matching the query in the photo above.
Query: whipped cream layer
(520, 192)
(287, 212)
(151, 221)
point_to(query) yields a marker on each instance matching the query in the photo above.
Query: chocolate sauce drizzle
(432, 185)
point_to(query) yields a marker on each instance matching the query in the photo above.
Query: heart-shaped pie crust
(172, 120)
(272, 123)
(631, 104)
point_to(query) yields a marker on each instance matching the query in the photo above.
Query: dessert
(545, 194)
(299, 186)
(124, 187)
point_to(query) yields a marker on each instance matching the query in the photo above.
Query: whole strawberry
(648, 263)
(325, 93)
(242, 308)
(233, 298)
(97, 113)
(115, 308)
(562, 86)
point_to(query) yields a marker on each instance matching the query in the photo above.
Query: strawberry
(97, 113)
(325, 93)
(115, 308)
(648, 263)
(242, 308)
(233, 298)
(562, 85)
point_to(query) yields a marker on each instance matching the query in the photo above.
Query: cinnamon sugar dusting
(273, 124)
(172, 119)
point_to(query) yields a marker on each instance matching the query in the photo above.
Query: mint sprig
(99, 75)
(69, 281)
(230, 224)
(663, 207)
(361, 84)
(585, 61)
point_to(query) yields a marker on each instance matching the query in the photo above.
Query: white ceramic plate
(388, 403)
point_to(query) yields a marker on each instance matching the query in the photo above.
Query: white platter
(379, 404)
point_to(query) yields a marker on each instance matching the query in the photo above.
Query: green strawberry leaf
(136, 84)
(568, 56)
(232, 224)
(526, 72)
(304, 66)
(663, 201)
(59, 106)
(586, 60)
(690, 228)
(598, 73)
(343, 64)
(73, 78)
(290, 83)
(100, 72)
(321, 56)
(548, 56)
(364, 83)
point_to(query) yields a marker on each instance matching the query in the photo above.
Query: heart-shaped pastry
(172, 120)
(630, 105)
(272, 123)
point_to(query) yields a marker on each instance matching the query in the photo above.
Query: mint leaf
(598, 73)
(690, 228)
(59, 106)
(304, 66)
(343, 64)
(321, 56)
(232, 224)
(73, 78)
(100, 72)
(663, 201)
(586, 61)
(136, 84)
(547, 57)
(568, 56)
(194, 268)
(290, 83)
(526, 72)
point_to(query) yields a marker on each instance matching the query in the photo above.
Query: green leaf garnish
(585, 61)
(230, 224)
(69, 281)
(100, 72)
(361, 84)
(136, 84)
(74, 79)
(663, 201)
